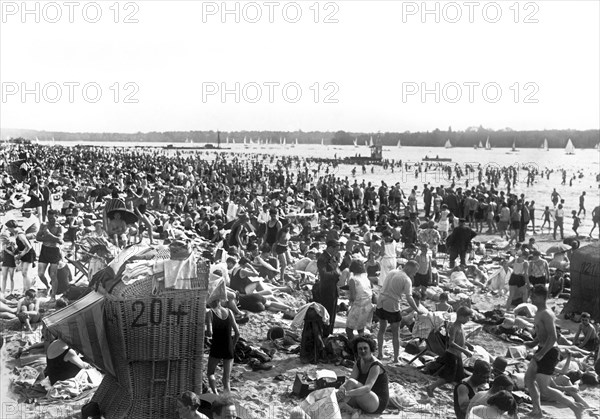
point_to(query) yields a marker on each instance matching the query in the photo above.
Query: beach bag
(322, 404)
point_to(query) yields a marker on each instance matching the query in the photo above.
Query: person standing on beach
(396, 283)
(51, 236)
(325, 292)
(459, 242)
(541, 367)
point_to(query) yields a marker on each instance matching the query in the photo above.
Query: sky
(358, 66)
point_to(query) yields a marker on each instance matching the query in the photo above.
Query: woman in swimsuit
(367, 388)
(220, 322)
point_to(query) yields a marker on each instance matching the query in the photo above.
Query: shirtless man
(541, 367)
(51, 236)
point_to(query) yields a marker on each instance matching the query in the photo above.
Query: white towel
(179, 273)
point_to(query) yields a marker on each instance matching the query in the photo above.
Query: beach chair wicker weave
(156, 343)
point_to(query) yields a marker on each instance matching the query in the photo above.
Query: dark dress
(381, 386)
(325, 291)
(58, 369)
(222, 342)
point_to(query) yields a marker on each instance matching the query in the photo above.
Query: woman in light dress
(361, 300)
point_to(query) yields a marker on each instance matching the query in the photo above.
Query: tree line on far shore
(436, 138)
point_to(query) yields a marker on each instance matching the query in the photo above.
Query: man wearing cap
(51, 236)
(325, 291)
(459, 241)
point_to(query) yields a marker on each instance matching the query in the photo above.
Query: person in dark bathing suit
(220, 322)
(367, 388)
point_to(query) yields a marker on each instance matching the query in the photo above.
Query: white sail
(399, 144)
(244, 140)
(546, 144)
(366, 143)
(355, 142)
(322, 142)
(570, 148)
(488, 146)
(371, 142)
(227, 140)
(448, 144)
(296, 141)
(480, 145)
(233, 141)
(514, 146)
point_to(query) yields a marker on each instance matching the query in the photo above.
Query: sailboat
(514, 146)
(355, 143)
(233, 141)
(399, 145)
(322, 142)
(245, 143)
(53, 142)
(366, 143)
(545, 146)
(448, 144)
(371, 142)
(488, 146)
(480, 145)
(295, 143)
(284, 141)
(570, 148)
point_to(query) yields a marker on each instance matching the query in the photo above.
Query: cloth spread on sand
(73, 387)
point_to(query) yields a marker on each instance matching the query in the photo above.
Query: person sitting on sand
(501, 383)
(453, 370)
(443, 304)
(586, 336)
(465, 390)
(367, 388)
(28, 309)
(187, 406)
(498, 282)
(62, 362)
(500, 405)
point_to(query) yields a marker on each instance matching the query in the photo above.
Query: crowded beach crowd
(266, 223)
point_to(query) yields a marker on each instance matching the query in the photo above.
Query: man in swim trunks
(541, 367)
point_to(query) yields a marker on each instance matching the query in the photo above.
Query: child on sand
(453, 370)
(443, 304)
(28, 309)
